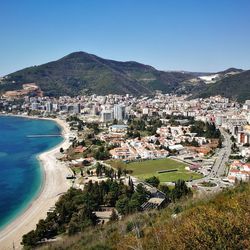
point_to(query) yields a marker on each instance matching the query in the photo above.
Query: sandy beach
(53, 186)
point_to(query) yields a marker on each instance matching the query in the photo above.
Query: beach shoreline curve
(53, 185)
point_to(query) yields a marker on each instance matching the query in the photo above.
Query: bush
(154, 181)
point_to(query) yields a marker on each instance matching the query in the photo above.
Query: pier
(38, 136)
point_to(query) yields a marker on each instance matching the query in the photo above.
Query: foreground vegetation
(223, 222)
(75, 210)
(149, 168)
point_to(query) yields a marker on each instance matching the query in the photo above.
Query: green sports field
(148, 168)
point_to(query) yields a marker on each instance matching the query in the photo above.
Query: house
(121, 153)
(79, 149)
(177, 147)
(153, 203)
(104, 213)
(118, 128)
(239, 171)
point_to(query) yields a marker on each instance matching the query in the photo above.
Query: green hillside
(80, 72)
(235, 86)
(222, 222)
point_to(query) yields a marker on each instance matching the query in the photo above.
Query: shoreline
(53, 185)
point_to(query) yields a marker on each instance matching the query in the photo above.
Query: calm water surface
(20, 174)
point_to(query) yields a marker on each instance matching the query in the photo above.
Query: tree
(115, 122)
(73, 227)
(30, 239)
(134, 204)
(119, 173)
(122, 205)
(61, 150)
(157, 142)
(180, 190)
(114, 216)
(194, 143)
(234, 148)
(142, 192)
(110, 199)
(154, 181)
(98, 169)
(165, 189)
(233, 139)
(130, 184)
(101, 154)
(220, 143)
(74, 211)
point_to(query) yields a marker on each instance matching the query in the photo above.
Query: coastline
(54, 184)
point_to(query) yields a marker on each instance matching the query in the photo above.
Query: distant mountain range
(80, 73)
(235, 86)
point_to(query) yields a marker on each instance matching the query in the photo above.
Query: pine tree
(114, 216)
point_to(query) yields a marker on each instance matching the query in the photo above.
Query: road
(219, 167)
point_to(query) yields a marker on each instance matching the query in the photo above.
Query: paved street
(219, 166)
(218, 169)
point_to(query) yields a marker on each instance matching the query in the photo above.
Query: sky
(191, 35)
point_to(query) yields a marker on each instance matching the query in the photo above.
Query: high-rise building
(119, 112)
(106, 115)
(94, 110)
(77, 108)
(34, 106)
(49, 107)
(145, 111)
(55, 106)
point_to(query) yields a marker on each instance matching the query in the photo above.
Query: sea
(21, 176)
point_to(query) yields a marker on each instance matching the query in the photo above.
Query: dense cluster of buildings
(230, 115)
(239, 171)
(117, 109)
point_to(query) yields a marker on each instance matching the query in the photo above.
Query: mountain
(208, 78)
(233, 85)
(230, 71)
(81, 72)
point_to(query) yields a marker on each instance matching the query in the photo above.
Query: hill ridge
(83, 73)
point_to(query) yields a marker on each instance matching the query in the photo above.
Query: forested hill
(80, 72)
(235, 86)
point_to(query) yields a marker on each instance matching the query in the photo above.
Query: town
(124, 125)
(209, 138)
(130, 154)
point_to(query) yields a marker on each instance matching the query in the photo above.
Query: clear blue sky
(192, 35)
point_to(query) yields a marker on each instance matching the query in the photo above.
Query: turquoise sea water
(21, 177)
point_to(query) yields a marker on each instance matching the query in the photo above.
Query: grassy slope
(149, 168)
(222, 222)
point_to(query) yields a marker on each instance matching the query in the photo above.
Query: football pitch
(148, 168)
